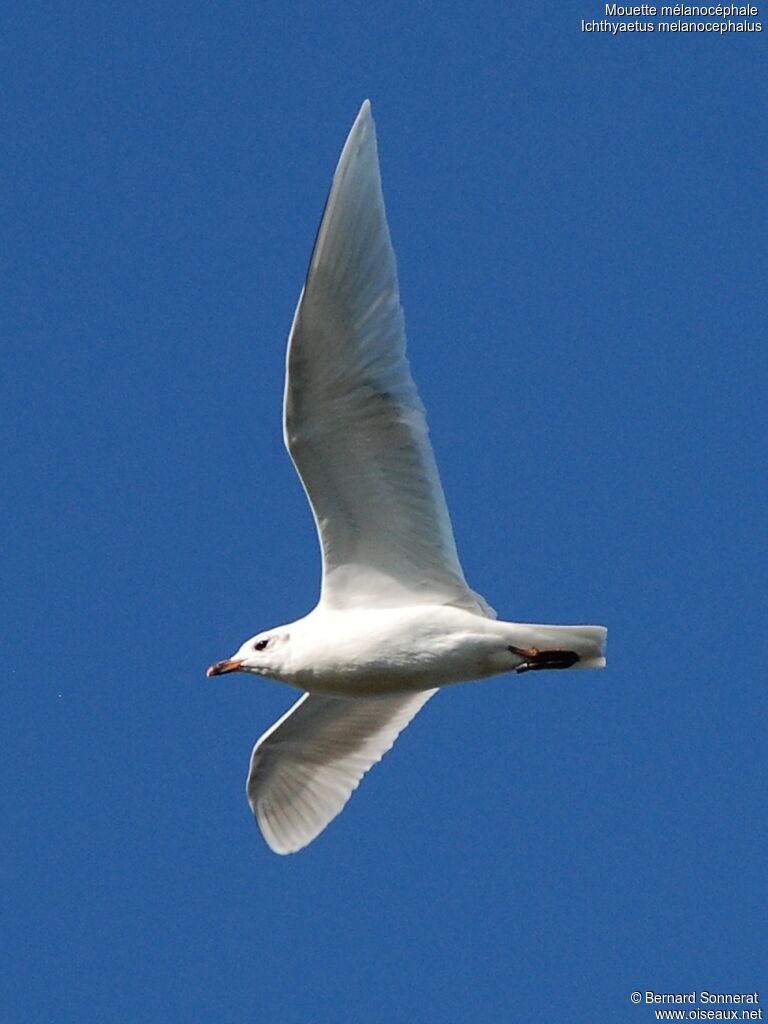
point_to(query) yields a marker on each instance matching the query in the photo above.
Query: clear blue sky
(580, 227)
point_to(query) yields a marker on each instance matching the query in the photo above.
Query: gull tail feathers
(586, 641)
(586, 644)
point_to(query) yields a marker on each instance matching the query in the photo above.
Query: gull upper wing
(354, 424)
(305, 768)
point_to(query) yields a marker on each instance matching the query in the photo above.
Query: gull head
(264, 654)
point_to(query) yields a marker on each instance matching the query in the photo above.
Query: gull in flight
(396, 619)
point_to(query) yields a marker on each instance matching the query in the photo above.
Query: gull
(396, 619)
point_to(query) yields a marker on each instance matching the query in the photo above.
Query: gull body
(396, 619)
(355, 652)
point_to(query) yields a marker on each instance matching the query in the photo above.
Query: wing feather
(305, 768)
(354, 424)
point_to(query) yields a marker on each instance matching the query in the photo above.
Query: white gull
(396, 619)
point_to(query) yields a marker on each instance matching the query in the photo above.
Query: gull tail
(586, 642)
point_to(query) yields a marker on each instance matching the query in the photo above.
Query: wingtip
(365, 113)
(277, 843)
(361, 136)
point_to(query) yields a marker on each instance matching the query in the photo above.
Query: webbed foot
(536, 659)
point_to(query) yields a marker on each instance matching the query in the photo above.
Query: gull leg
(536, 659)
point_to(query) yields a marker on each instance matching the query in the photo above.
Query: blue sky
(580, 229)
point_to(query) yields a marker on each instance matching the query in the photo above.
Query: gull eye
(260, 645)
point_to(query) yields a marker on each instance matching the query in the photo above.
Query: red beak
(222, 667)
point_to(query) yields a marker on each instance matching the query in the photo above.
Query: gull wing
(354, 424)
(305, 768)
